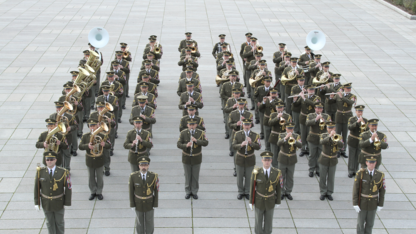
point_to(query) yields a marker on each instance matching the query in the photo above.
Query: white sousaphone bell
(315, 40)
(98, 37)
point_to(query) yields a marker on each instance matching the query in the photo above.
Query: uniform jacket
(289, 84)
(184, 123)
(154, 76)
(217, 48)
(355, 131)
(118, 87)
(242, 159)
(151, 100)
(142, 146)
(125, 64)
(155, 65)
(267, 108)
(315, 130)
(369, 186)
(234, 117)
(112, 123)
(113, 100)
(193, 60)
(195, 75)
(287, 153)
(296, 89)
(229, 105)
(304, 58)
(199, 102)
(59, 184)
(196, 54)
(369, 149)
(277, 58)
(63, 145)
(344, 106)
(147, 50)
(91, 161)
(149, 112)
(271, 187)
(194, 157)
(144, 195)
(152, 88)
(182, 86)
(307, 106)
(182, 44)
(71, 122)
(276, 127)
(330, 148)
(248, 54)
(227, 89)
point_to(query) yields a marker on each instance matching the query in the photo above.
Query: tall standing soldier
(245, 143)
(368, 195)
(278, 57)
(265, 191)
(95, 162)
(282, 66)
(59, 194)
(277, 123)
(190, 97)
(248, 56)
(296, 109)
(113, 100)
(371, 143)
(218, 46)
(146, 113)
(330, 143)
(144, 195)
(288, 143)
(226, 93)
(60, 141)
(268, 107)
(331, 108)
(345, 102)
(304, 60)
(297, 71)
(356, 125)
(316, 123)
(242, 48)
(190, 142)
(138, 141)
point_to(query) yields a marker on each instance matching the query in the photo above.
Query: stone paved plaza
(41, 41)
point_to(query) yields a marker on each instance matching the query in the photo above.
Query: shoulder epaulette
(134, 172)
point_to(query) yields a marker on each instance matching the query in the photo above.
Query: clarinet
(137, 133)
(190, 151)
(247, 141)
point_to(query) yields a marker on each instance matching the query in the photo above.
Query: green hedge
(408, 4)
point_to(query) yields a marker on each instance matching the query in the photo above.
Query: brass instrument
(377, 142)
(93, 60)
(126, 52)
(363, 126)
(51, 139)
(96, 140)
(68, 98)
(322, 79)
(113, 91)
(257, 78)
(321, 122)
(60, 118)
(157, 50)
(282, 121)
(101, 116)
(291, 142)
(336, 138)
(259, 48)
(193, 49)
(229, 50)
(82, 75)
(292, 76)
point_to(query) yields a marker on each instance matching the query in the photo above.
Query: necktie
(144, 178)
(141, 111)
(106, 97)
(267, 175)
(371, 175)
(192, 132)
(50, 173)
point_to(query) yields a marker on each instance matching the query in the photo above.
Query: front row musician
(144, 195)
(356, 125)
(53, 191)
(265, 191)
(368, 195)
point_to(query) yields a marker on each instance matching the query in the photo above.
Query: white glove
(276, 206)
(251, 206)
(379, 208)
(37, 208)
(357, 209)
(133, 208)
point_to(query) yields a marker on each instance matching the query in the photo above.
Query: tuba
(83, 74)
(93, 61)
(96, 140)
(60, 118)
(101, 116)
(51, 139)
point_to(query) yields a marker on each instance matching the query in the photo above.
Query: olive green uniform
(183, 61)
(147, 50)
(247, 54)
(330, 108)
(277, 59)
(328, 163)
(307, 107)
(217, 48)
(226, 93)
(354, 143)
(266, 109)
(233, 118)
(113, 100)
(155, 64)
(123, 80)
(305, 58)
(259, 93)
(288, 86)
(313, 70)
(55, 191)
(196, 54)
(296, 89)
(242, 48)
(182, 85)
(151, 100)
(182, 44)
(66, 163)
(139, 150)
(266, 194)
(344, 113)
(152, 88)
(144, 196)
(198, 102)
(287, 159)
(283, 94)
(192, 158)
(95, 164)
(313, 139)
(373, 189)
(245, 159)
(368, 149)
(148, 112)
(117, 88)
(154, 76)
(62, 146)
(276, 130)
(198, 119)
(194, 75)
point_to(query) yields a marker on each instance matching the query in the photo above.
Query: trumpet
(282, 121)
(259, 48)
(158, 50)
(377, 142)
(193, 49)
(126, 52)
(321, 122)
(96, 140)
(291, 142)
(336, 138)
(51, 139)
(363, 126)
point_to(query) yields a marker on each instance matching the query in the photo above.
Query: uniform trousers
(66, 158)
(275, 149)
(353, 154)
(261, 118)
(295, 116)
(314, 153)
(365, 221)
(95, 178)
(326, 179)
(192, 178)
(134, 167)
(87, 108)
(126, 88)
(55, 221)
(342, 129)
(98, 76)
(247, 74)
(145, 222)
(304, 132)
(80, 115)
(74, 135)
(287, 172)
(107, 159)
(264, 221)
(267, 130)
(243, 178)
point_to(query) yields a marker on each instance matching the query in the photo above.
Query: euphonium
(96, 140)
(69, 98)
(60, 118)
(51, 139)
(93, 60)
(101, 116)
(82, 75)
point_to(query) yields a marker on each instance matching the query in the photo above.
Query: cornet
(377, 142)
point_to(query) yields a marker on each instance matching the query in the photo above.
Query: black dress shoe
(257, 121)
(310, 174)
(289, 197)
(223, 121)
(350, 175)
(195, 196)
(322, 197)
(111, 153)
(302, 154)
(107, 173)
(330, 197)
(116, 136)
(124, 107)
(92, 196)
(240, 196)
(127, 96)
(252, 108)
(282, 197)
(84, 120)
(344, 155)
(74, 154)
(317, 173)
(249, 96)
(100, 197)
(119, 120)
(227, 136)
(338, 155)
(261, 137)
(96, 95)
(187, 196)
(247, 196)
(235, 174)
(231, 153)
